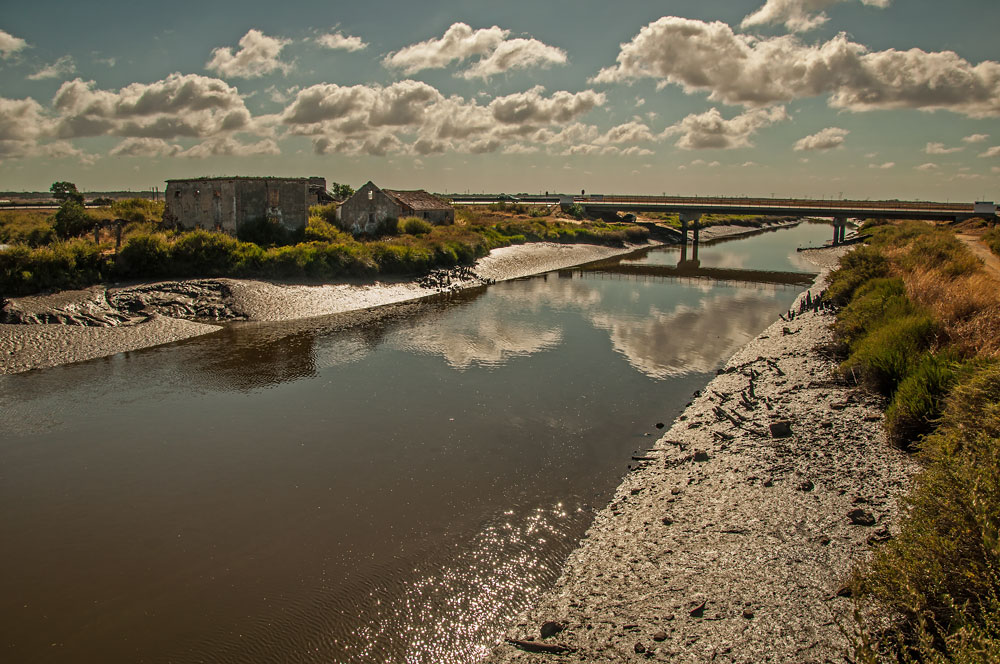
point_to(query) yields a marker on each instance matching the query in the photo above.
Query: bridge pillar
(685, 217)
(839, 223)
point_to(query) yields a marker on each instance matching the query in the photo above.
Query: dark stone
(748, 614)
(805, 486)
(660, 425)
(551, 628)
(639, 648)
(667, 521)
(769, 482)
(781, 429)
(845, 590)
(660, 636)
(701, 456)
(699, 611)
(879, 536)
(860, 517)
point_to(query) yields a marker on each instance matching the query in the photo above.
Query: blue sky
(820, 98)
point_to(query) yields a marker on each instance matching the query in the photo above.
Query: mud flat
(72, 326)
(732, 538)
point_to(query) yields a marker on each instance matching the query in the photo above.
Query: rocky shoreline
(735, 534)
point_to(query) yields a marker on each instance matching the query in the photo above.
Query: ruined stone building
(370, 207)
(226, 203)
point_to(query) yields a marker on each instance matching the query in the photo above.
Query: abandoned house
(370, 207)
(226, 203)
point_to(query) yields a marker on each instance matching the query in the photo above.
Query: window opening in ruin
(371, 194)
(272, 197)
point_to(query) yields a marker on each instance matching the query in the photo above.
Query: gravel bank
(728, 544)
(73, 326)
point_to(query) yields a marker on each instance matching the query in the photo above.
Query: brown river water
(392, 492)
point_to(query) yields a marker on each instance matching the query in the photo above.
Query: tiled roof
(418, 200)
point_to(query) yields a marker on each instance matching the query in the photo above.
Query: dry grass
(968, 307)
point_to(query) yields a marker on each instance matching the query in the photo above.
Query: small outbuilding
(226, 203)
(368, 210)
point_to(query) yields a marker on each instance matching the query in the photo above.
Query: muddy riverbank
(72, 326)
(733, 536)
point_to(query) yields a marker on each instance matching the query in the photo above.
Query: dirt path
(990, 260)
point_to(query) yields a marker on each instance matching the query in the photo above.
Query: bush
(62, 265)
(888, 354)
(319, 229)
(415, 226)
(327, 213)
(72, 220)
(856, 268)
(203, 253)
(873, 303)
(267, 233)
(144, 255)
(919, 399)
(575, 210)
(942, 573)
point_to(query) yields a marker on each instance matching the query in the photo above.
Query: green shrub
(856, 268)
(327, 213)
(72, 220)
(144, 256)
(888, 354)
(203, 253)
(942, 573)
(874, 302)
(319, 229)
(61, 265)
(415, 226)
(267, 233)
(919, 399)
(575, 210)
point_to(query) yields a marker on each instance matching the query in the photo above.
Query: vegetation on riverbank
(42, 258)
(919, 324)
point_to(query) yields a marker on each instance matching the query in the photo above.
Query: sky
(862, 99)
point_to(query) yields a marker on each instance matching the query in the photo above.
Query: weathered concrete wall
(227, 204)
(367, 210)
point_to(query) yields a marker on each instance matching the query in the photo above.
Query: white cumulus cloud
(179, 105)
(926, 167)
(976, 138)
(338, 41)
(743, 69)
(257, 56)
(827, 139)
(886, 166)
(64, 66)
(711, 130)
(940, 148)
(9, 44)
(798, 15)
(497, 54)
(992, 152)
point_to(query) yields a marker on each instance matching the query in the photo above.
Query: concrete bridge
(690, 209)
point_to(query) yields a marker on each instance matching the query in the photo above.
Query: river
(398, 491)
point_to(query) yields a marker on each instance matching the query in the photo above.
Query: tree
(341, 192)
(66, 191)
(72, 219)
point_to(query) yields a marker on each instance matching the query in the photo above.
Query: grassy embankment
(43, 259)
(746, 220)
(920, 324)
